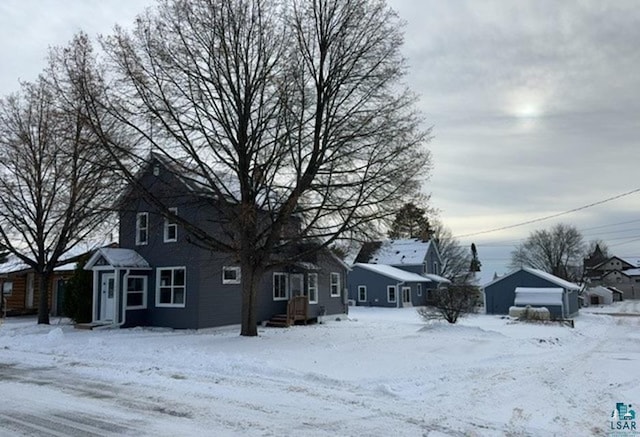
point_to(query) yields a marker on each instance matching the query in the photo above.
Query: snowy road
(381, 373)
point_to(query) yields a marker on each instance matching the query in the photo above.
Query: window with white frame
(312, 287)
(170, 227)
(362, 293)
(419, 290)
(142, 228)
(391, 293)
(230, 275)
(171, 287)
(7, 288)
(136, 292)
(280, 286)
(436, 268)
(335, 284)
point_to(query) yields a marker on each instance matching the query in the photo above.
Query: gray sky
(535, 106)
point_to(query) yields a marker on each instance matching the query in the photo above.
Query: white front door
(406, 296)
(30, 285)
(108, 297)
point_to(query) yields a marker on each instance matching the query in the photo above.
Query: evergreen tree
(475, 262)
(411, 222)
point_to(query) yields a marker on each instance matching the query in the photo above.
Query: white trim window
(231, 275)
(312, 287)
(171, 288)
(362, 293)
(419, 291)
(136, 292)
(280, 286)
(436, 268)
(142, 228)
(392, 292)
(170, 228)
(335, 284)
(7, 288)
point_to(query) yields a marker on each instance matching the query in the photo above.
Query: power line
(536, 220)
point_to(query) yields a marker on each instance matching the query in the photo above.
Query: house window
(142, 228)
(419, 290)
(391, 293)
(335, 284)
(7, 288)
(280, 286)
(436, 268)
(136, 292)
(312, 287)
(170, 228)
(171, 287)
(231, 275)
(362, 293)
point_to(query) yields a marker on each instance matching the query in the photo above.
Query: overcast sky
(535, 106)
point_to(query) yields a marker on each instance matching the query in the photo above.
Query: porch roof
(118, 258)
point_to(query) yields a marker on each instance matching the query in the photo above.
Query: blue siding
(500, 295)
(377, 284)
(208, 302)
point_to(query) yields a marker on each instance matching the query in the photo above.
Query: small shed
(599, 296)
(500, 294)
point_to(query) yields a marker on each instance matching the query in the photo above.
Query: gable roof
(395, 252)
(118, 258)
(541, 274)
(393, 272)
(631, 262)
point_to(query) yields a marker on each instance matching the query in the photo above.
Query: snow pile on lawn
(382, 372)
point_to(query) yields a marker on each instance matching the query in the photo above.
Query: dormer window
(142, 228)
(170, 227)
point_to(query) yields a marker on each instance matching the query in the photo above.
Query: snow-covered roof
(118, 258)
(538, 296)
(541, 274)
(631, 272)
(599, 290)
(398, 252)
(634, 261)
(436, 278)
(394, 272)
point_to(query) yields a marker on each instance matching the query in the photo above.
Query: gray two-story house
(161, 276)
(395, 273)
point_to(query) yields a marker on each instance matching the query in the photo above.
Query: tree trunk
(250, 282)
(43, 303)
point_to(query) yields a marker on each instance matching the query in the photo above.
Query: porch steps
(280, 321)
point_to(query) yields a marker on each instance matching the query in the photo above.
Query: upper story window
(170, 227)
(171, 287)
(436, 268)
(142, 228)
(335, 284)
(230, 275)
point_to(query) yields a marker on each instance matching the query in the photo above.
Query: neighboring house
(621, 273)
(396, 273)
(500, 294)
(159, 277)
(21, 287)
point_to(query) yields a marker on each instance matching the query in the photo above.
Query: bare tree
(54, 186)
(286, 113)
(452, 302)
(455, 257)
(558, 251)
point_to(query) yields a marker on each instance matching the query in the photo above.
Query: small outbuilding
(533, 287)
(599, 296)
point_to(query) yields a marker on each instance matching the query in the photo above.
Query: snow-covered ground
(382, 372)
